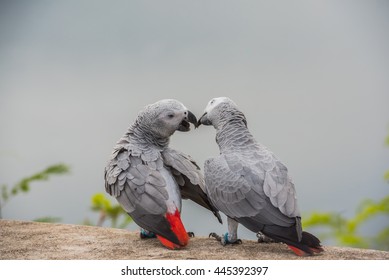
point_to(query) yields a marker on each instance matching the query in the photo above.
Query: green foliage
(4, 193)
(100, 203)
(382, 239)
(23, 186)
(108, 211)
(48, 220)
(386, 175)
(345, 231)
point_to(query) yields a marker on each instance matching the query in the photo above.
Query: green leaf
(386, 175)
(100, 203)
(316, 218)
(382, 239)
(14, 191)
(24, 187)
(4, 193)
(332, 220)
(24, 184)
(352, 240)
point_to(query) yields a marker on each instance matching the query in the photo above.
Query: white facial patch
(214, 102)
(172, 103)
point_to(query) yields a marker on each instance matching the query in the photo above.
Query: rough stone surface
(30, 240)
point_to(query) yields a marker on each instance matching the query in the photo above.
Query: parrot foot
(224, 239)
(146, 234)
(216, 236)
(264, 239)
(191, 234)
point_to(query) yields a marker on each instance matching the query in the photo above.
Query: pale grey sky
(311, 77)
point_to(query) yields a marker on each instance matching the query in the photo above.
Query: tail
(308, 245)
(178, 229)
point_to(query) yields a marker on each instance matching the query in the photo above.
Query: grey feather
(156, 179)
(138, 177)
(136, 184)
(189, 177)
(183, 164)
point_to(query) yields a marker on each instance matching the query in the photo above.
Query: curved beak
(189, 118)
(192, 118)
(204, 120)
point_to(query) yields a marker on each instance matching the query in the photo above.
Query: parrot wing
(236, 189)
(189, 178)
(141, 190)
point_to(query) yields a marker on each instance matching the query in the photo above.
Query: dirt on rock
(43, 241)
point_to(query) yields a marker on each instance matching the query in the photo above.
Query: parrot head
(218, 110)
(166, 116)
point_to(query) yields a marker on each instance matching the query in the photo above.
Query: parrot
(149, 178)
(250, 185)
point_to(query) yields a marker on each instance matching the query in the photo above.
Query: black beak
(189, 118)
(192, 119)
(203, 120)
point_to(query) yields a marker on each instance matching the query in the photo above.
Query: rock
(31, 240)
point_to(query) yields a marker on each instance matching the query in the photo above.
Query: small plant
(23, 186)
(114, 213)
(345, 231)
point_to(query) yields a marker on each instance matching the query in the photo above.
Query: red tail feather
(168, 243)
(301, 253)
(179, 230)
(297, 251)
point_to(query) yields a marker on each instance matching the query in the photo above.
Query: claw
(191, 234)
(216, 236)
(224, 239)
(264, 239)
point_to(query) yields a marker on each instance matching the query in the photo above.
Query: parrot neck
(234, 135)
(143, 136)
(230, 117)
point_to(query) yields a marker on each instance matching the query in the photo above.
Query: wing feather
(189, 177)
(138, 186)
(278, 186)
(250, 199)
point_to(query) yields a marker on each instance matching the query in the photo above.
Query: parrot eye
(213, 101)
(170, 115)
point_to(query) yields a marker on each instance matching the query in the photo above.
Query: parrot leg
(264, 239)
(224, 239)
(191, 234)
(146, 234)
(231, 236)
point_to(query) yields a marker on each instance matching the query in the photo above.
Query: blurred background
(310, 76)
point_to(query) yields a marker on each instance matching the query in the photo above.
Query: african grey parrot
(148, 178)
(249, 184)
